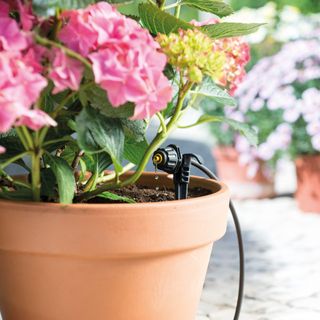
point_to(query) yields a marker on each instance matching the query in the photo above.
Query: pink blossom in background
(237, 53)
(125, 58)
(35, 119)
(66, 72)
(2, 149)
(205, 22)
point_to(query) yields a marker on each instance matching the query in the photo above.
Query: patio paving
(282, 265)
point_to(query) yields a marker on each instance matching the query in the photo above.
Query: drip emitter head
(171, 160)
(167, 159)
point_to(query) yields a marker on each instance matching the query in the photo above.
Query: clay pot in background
(109, 261)
(235, 176)
(308, 175)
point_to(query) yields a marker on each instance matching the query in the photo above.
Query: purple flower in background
(265, 151)
(313, 128)
(315, 140)
(282, 84)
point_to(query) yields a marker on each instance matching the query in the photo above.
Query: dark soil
(142, 194)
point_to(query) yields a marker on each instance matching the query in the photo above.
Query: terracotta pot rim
(113, 230)
(222, 189)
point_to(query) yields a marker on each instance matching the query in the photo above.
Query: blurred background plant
(280, 95)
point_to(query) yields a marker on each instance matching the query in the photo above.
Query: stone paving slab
(282, 265)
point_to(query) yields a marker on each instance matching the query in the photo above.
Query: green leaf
(48, 184)
(135, 129)
(114, 197)
(134, 150)
(64, 177)
(230, 29)
(97, 133)
(99, 100)
(21, 194)
(243, 128)
(13, 146)
(97, 162)
(46, 7)
(210, 92)
(156, 20)
(219, 8)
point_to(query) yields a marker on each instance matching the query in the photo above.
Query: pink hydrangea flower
(66, 72)
(20, 87)
(156, 97)
(11, 38)
(24, 8)
(35, 119)
(27, 19)
(4, 9)
(34, 55)
(78, 34)
(125, 58)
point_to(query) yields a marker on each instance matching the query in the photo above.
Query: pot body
(308, 191)
(235, 176)
(109, 261)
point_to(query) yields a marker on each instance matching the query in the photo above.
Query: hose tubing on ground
(211, 175)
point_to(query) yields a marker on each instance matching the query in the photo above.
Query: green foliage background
(306, 6)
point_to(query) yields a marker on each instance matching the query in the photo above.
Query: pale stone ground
(282, 265)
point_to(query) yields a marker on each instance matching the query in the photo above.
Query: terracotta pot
(236, 177)
(109, 261)
(308, 191)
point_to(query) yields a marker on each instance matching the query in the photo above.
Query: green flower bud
(195, 74)
(193, 52)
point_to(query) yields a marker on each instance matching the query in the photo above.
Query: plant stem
(27, 136)
(76, 160)
(112, 175)
(162, 122)
(22, 139)
(36, 181)
(158, 140)
(72, 54)
(92, 182)
(178, 9)
(171, 6)
(13, 159)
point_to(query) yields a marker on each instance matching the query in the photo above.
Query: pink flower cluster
(20, 80)
(125, 58)
(237, 52)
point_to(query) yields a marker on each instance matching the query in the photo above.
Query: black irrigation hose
(240, 242)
